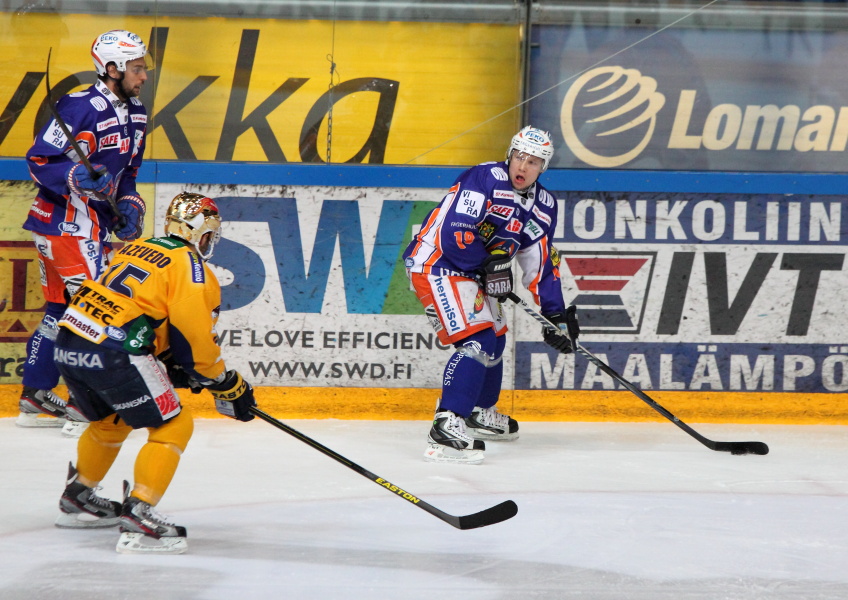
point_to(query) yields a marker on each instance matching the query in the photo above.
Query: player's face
(134, 77)
(524, 170)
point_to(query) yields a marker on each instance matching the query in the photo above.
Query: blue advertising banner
(688, 98)
(700, 292)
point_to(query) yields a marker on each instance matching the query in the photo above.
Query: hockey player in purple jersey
(460, 265)
(71, 219)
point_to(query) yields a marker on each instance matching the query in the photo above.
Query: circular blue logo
(115, 333)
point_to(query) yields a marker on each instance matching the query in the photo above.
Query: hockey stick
(490, 516)
(732, 447)
(95, 175)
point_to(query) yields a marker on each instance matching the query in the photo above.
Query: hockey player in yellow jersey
(125, 342)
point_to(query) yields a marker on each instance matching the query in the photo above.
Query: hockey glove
(132, 208)
(83, 184)
(496, 275)
(179, 377)
(233, 397)
(568, 328)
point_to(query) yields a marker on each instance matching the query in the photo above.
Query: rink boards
(727, 304)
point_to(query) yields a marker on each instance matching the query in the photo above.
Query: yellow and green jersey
(157, 294)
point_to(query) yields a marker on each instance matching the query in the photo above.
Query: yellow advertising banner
(21, 298)
(283, 91)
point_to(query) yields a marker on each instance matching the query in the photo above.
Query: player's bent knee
(108, 433)
(481, 346)
(176, 432)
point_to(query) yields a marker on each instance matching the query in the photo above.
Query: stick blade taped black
(490, 516)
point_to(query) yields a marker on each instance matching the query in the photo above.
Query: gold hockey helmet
(194, 218)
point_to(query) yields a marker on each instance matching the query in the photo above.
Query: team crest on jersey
(478, 301)
(486, 230)
(554, 256)
(499, 210)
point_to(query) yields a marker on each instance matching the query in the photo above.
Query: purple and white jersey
(111, 133)
(481, 213)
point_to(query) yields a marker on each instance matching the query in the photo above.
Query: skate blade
(74, 429)
(38, 420)
(491, 436)
(84, 521)
(438, 453)
(138, 543)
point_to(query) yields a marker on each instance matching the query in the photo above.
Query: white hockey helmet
(194, 218)
(117, 46)
(533, 141)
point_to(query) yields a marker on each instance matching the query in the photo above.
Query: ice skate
(82, 508)
(74, 429)
(76, 422)
(449, 442)
(40, 408)
(144, 531)
(489, 424)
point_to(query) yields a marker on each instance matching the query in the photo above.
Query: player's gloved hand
(233, 396)
(179, 377)
(132, 209)
(496, 275)
(83, 184)
(568, 328)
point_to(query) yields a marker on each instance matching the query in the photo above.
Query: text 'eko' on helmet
(533, 141)
(117, 46)
(194, 218)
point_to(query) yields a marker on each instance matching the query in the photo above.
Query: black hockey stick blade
(737, 448)
(490, 516)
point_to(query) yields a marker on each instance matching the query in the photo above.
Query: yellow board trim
(523, 405)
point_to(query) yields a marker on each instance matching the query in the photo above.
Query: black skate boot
(489, 424)
(448, 441)
(82, 508)
(40, 408)
(144, 531)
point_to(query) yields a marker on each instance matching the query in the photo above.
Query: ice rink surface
(605, 510)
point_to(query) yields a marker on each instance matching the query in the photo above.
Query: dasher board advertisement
(691, 98)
